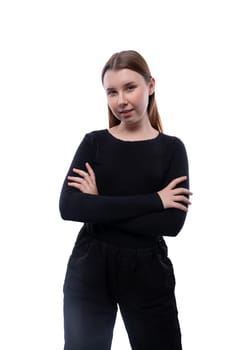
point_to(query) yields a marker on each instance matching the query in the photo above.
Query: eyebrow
(125, 85)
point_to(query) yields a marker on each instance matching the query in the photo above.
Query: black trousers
(100, 277)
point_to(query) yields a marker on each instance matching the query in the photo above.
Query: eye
(111, 93)
(131, 87)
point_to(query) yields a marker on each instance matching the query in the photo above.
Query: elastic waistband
(128, 245)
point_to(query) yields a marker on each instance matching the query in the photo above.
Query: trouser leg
(88, 325)
(89, 312)
(147, 301)
(154, 327)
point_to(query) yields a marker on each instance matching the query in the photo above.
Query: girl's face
(127, 94)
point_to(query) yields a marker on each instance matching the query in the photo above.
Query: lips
(125, 112)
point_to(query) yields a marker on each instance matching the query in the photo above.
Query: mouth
(125, 113)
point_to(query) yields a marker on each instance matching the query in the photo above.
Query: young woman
(129, 186)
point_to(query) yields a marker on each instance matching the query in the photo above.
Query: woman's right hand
(175, 197)
(85, 181)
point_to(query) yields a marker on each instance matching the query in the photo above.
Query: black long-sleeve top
(127, 211)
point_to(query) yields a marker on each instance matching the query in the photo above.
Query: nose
(122, 101)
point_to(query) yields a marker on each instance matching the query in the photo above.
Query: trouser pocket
(165, 264)
(77, 263)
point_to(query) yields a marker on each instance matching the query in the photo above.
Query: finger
(75, 179)
(75, 185)
(90, 171)
(82, 186)
(84, 174)
(182, 190)
(78, 183)
(79, 172)
(176, 181)
(182, 199)
(180, 206)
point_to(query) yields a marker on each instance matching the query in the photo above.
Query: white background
(52, 53)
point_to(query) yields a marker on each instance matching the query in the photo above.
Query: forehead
(117, 78)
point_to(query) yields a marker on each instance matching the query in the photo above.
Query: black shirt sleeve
(77, 206)
(170, 221)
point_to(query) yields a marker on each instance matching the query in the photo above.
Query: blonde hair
(132, 60)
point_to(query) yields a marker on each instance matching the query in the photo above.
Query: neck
(135, 131)
(144, 126)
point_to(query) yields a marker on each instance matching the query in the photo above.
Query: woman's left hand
(85, 182)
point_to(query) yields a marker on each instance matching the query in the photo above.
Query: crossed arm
(158, 213)
(167, 222)
(171, 195)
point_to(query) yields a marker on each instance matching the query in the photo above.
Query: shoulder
(170, 138)
(172, 141)
(95, 134)
(173, 145)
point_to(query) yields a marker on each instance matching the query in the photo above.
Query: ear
(151, 86)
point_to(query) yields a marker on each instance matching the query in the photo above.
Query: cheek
(141, 99)
(113, 107)
(111, 104)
